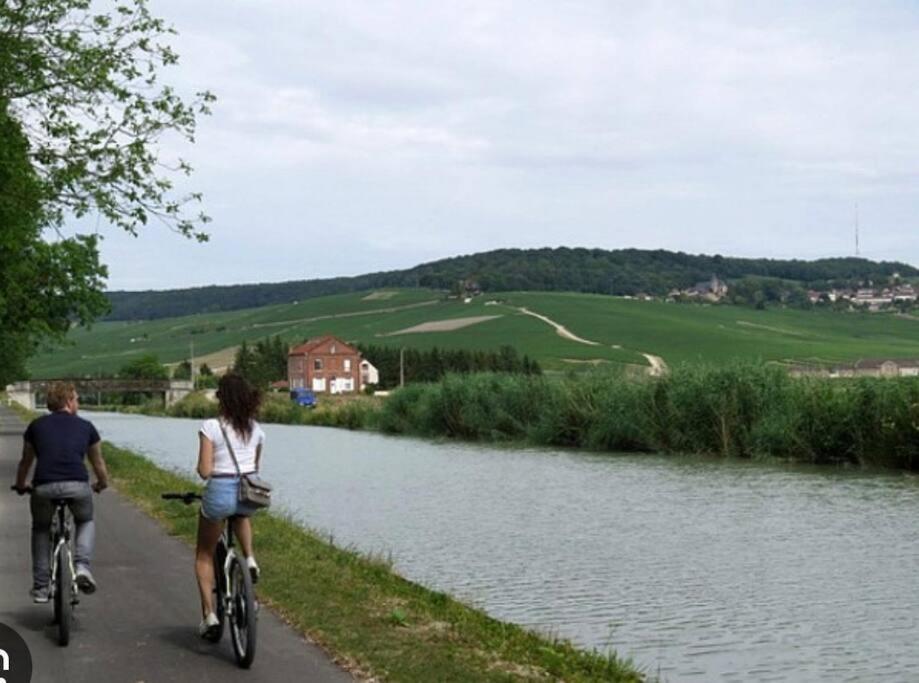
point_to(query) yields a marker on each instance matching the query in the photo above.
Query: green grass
(678, 333)
(368, 616)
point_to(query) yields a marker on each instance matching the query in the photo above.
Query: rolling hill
(602, 329)
(620, 272)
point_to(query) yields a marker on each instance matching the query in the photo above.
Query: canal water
(697, 569)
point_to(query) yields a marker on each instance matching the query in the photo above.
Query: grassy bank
(369, 617)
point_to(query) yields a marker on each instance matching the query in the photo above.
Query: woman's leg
(242, 527)
(208, 535)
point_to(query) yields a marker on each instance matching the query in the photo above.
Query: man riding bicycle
(58, 443)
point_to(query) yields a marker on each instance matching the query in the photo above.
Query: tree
(44, 286)
(145, 367)
(81, 115)
(85, 88)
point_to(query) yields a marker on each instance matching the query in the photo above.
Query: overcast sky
(351, 137)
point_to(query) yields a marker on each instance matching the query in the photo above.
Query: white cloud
(427, 129)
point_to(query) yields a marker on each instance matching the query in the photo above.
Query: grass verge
(368, 616)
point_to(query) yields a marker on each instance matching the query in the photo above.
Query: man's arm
(25, 464)
(98, 465)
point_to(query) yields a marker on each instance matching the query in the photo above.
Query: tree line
(617, 272)
(432, 365)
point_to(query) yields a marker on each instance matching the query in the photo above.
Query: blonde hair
(58, 395)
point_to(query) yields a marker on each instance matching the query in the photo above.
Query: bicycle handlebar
(188, 497)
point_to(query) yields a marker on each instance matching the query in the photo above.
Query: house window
(318, 384)
(333, 348)
(347, 365)
(317, 364)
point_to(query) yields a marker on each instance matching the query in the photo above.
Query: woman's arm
(258, 457)
(205, 457)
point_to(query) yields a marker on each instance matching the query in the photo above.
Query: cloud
(468, 125)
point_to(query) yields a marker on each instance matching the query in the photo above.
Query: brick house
(325, 365)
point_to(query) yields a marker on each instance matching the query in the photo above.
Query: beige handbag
(253, 490)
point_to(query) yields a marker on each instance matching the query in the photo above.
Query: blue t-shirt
(61, 441)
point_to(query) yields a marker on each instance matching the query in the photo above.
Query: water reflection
(697, 569)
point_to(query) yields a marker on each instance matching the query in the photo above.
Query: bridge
(25, 393)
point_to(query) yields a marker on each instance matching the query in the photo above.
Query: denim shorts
(221, 499)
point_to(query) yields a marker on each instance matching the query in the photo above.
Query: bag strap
(230, 448)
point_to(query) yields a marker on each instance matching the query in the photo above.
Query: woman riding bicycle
(239, 403)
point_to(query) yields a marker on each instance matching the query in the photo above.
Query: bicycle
(234, 594)
(63, 585)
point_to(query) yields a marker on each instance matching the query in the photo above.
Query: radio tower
(857, 251)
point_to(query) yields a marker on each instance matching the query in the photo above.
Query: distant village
(870, 297)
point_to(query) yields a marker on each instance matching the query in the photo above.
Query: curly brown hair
(239, 403)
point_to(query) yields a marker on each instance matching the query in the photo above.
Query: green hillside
(562, 269)
(622, 330)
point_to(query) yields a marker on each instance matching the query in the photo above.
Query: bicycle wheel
(244, 620)
(63, 607)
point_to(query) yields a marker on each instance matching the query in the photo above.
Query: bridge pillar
(178, 389)
(22, 393)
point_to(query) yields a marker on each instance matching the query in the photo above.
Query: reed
(743, 410)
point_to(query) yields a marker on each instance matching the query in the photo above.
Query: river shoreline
(747, 411)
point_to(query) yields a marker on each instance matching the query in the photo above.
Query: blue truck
(303, 397)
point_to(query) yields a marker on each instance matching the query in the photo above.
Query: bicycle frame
(60, 538)
(226, 538)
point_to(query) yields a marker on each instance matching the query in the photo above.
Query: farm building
(328, 365)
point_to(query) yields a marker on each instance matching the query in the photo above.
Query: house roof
(312, 344)
(876, 363)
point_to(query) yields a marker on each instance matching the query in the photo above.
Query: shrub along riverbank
(739, 410)
(747, 411)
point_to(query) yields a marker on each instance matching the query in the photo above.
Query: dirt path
(658, 366)
(560, 329)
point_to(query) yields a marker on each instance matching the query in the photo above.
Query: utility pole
(402, 367)
(191, 363)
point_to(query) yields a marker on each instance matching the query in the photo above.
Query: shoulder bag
(253, 490)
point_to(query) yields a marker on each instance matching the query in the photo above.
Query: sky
(353, 137)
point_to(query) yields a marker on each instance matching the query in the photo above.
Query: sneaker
(85, 580)
(40, 595)
(254, 571)
(209, 629)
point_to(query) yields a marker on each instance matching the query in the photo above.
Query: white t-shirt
(244, 450)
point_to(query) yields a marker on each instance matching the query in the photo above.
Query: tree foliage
(44, 286)
(430, 366)
(84, 85)
(82, 115)
(263, 363)
(145, 367)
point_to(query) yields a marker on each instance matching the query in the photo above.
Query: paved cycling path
(140, 625)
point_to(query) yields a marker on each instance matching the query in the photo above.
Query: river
(697, 569)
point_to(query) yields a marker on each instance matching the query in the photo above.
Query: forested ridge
(618, 272)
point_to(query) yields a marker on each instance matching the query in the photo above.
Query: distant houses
(329, 365)
(866, 367)
(869, 297)
(712, 290)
